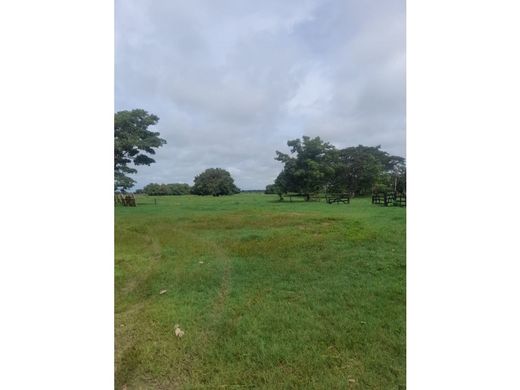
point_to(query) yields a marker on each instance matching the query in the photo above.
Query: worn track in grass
(270, 294)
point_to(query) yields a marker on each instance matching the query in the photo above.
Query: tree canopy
(360, 168)
(308, 168)
(133, 144)
(167, 189)
(316, 166)
(214, 181)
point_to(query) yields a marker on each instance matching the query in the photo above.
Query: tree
(360, 169)
(133, 143)
(400, 178)
(309, 169)
(315, 165)
(214, 181)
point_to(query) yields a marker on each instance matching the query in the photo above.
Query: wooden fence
(389, 199)
(337, 198)
(316, 197)
(127, 200)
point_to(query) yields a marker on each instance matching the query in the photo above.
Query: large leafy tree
(308, 168)
(315, 165)
(214, 181)
(360, 168)
(133, 144)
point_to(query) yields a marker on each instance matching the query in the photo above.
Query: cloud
(233, 81)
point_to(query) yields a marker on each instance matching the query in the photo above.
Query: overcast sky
(232, 81)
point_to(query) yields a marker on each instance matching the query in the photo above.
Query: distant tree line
(317, 166)
(213, 181)
(166, 189)
(312, 165)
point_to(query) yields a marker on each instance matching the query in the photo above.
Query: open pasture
(269, 294)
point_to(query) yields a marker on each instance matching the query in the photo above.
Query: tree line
(213, 181)
(315, 166)
(156, 189)
(312, 166)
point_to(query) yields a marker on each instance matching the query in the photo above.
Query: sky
(233, 81)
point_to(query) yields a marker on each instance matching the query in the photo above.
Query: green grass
(270, 294)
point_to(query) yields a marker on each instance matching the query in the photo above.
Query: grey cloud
(232, 81)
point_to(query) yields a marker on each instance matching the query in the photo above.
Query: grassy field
(270, 294)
